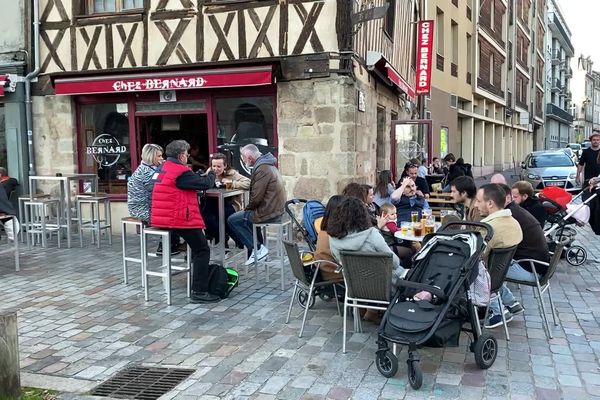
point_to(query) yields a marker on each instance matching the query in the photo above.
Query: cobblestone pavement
(77, 320)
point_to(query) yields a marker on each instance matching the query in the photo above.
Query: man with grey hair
(175, 206)
(9, 184)
(267, 199)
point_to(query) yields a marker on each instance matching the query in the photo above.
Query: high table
(221, 195)
(65, 192)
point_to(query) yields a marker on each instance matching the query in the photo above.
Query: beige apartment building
(487, 94)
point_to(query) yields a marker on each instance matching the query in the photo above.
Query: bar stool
(167, 269)
(22, 199)
(37, 219)
(95, 223)
(283, 231)
(139, 228)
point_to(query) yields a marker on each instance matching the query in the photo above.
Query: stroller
(311, 211)
(562, 212)
(445, 267)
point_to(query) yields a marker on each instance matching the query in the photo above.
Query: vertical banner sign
(424, 56)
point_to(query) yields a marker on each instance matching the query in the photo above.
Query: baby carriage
(311, 211)
(445, 267)
(562, 212)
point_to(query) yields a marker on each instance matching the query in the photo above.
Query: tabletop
(224, 192)
(410, 235)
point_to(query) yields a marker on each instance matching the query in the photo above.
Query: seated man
(533, 246)
(406, 199)
(267, 199)
(9, 184)
(491, 199)
(411, 171)
(522, 194)
(175, 206)
(463, 192)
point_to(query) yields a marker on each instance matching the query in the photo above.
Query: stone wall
(324, 141)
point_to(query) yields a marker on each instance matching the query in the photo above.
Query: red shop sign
(182, 80)
(424, 56)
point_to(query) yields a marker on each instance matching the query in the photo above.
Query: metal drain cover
(142, 383)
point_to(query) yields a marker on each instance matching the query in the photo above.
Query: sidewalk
(79, 324)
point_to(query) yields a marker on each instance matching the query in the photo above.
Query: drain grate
(142, 383)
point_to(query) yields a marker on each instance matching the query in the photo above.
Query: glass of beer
(418, 228)
(228, 185)
(404, 228)
(429, 225)
(414, 217)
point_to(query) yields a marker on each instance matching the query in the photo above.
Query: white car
(550, 168)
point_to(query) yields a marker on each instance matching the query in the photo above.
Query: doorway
(163, 129)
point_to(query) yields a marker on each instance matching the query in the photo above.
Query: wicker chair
(542, 284)
(368, 278)
(303, 283)
(498, 262)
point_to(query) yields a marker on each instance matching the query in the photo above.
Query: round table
(410, 235)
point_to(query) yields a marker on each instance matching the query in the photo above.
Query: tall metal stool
(95, 224)
(22, 199)
(37, 219)
(138, 224)
(166, 268)
(283, 231)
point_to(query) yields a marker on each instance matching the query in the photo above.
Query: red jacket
(173, 207)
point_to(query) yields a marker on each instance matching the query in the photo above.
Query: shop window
(104, 145)
(106, 6)
(242, 121)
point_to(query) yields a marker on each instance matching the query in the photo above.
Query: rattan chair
(303, 283)
(368, 278)
(498, 262)
(542, 284)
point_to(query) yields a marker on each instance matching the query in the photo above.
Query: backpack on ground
(221, 281)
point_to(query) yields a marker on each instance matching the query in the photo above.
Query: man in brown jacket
(267, 199)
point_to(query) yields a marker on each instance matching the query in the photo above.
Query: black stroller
(443, 269)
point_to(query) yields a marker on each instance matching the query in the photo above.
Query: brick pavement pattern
(78, 320)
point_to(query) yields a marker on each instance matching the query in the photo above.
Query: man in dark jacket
(6, 208)
(406, 200)
(175, 206)
(267, 199)
(9, 184)
(411, 170)
(533, 246)
(522, 194)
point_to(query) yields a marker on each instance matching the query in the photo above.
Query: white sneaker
(262, 253)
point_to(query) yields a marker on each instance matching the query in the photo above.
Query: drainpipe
(30, 76)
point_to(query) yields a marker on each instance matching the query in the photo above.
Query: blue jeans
(515, 271)
(241, 224)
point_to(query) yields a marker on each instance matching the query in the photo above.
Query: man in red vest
(175, 206)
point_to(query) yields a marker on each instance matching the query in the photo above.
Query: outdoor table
(221, 195)
(65, 192)
(410, 236)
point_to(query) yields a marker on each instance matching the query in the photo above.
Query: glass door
(410, 140)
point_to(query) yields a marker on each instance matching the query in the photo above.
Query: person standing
(175, 206)
(589, 163)
(267, 199)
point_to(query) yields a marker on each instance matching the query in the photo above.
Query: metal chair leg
(287, 320)
(124, 249)
(502, 315)
(551, 303)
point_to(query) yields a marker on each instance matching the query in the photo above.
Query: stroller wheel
(486, 349)
(387, 363)
(415, 375)
(576, 255)
(302, 298)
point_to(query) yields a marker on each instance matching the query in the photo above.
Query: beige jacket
(507, 231)
(239, 181)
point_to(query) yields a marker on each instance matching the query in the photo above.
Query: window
(491, 68)
(390, 19)
(242, 121)
(454, 26)
(105, 6)
(105, 146)
(439, 28)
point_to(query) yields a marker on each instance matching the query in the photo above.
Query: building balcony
(555, 112)
(559, 31)
(556, 85)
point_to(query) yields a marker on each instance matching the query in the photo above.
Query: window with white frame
(106, 6)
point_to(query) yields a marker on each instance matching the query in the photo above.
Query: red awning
(377, 62)
(3, 81)
(180, 80)
(399, 81)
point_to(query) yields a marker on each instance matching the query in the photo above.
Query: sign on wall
(443, 141)
(106, 150)
(424, 56)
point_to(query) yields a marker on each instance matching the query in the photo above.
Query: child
(388, 227)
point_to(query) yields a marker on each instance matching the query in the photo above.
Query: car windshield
(550, 160)
(574, 146)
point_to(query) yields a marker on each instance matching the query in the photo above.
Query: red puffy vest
(173, 207)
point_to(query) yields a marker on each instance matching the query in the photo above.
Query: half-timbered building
(303, 79)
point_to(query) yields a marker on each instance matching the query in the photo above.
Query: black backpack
(221, 281)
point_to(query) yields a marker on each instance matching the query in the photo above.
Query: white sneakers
(262, 253)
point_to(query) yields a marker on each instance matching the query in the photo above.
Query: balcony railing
(556, 85)
(554, 110)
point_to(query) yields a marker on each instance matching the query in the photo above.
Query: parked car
(550, 168)
(585, 145)
(576, 147)
(571, 153)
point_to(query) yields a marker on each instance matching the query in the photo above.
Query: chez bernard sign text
(106, 150)
(158, 84)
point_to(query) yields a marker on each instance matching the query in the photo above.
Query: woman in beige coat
(225, 175)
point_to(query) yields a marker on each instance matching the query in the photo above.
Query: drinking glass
(418, 229)
(404, 228)
(414, 216)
